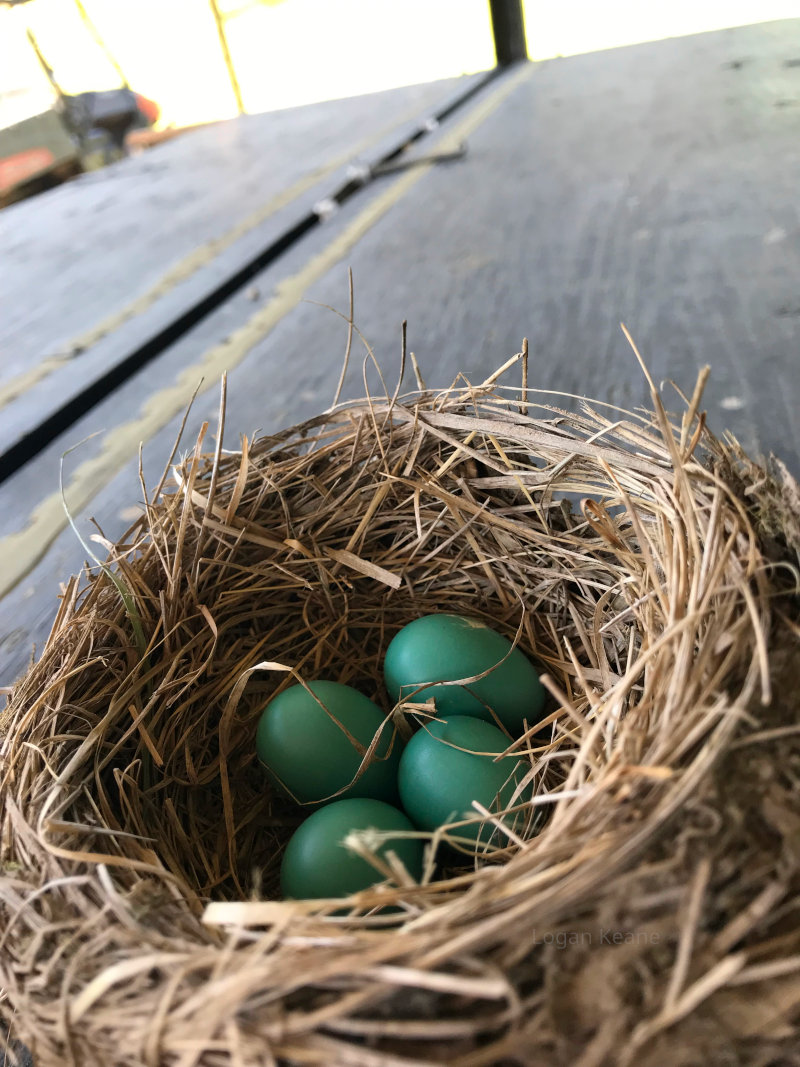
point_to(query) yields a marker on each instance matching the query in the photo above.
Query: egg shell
(444, 647)
(438, 780)
(312, 756)
(317, 864)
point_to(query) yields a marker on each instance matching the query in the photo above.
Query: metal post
(223, 40)
(508, 26)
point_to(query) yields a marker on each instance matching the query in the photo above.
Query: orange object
(149, 108)
(139, 139)
(23, 165)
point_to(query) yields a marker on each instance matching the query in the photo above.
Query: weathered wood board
(92, 270)
(655, 184)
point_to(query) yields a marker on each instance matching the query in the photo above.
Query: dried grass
(652, 920)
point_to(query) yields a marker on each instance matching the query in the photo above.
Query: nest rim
(666, 560)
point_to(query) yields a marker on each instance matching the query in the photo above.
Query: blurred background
(202, 61)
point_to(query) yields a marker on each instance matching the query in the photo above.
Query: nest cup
(648, 914)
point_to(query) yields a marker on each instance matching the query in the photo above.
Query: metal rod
(508, 26)
(223, 40)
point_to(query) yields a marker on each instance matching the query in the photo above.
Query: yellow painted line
(21, 551)
(18, 385)
(190, 264)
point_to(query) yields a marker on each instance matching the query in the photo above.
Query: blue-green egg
(313, 743)
(317, 864)
(450, 763)
(444, 648)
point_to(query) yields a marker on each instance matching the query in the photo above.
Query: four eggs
(327, 745)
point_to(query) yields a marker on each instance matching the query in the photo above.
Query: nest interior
(651, 918)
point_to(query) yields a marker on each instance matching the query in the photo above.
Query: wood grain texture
(92, 269)
(655, 184)
(26, 613)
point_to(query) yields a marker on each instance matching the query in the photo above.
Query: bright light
(289, 52)
(284, 54)
(566, 27)
(307, 50)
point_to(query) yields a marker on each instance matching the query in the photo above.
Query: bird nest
(650, 915)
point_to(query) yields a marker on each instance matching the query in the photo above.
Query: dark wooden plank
(94, 245)
(101, 476)
(225, 338)
(93, 268)
(655, 184)
(66, 387)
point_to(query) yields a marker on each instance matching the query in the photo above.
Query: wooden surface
(99, 243)
(655, 184)
(92, 269)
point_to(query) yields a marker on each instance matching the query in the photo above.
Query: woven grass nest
(651, 919)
